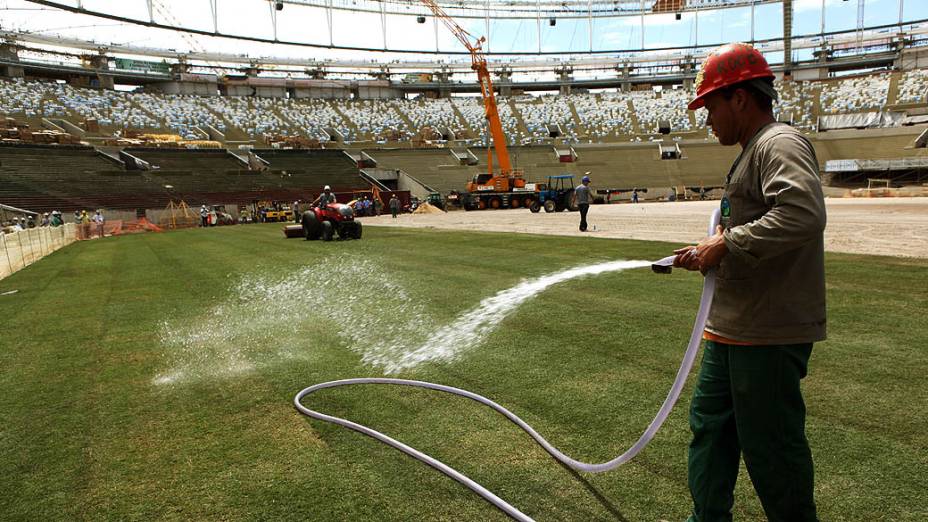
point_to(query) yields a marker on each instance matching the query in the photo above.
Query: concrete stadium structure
(862, 95)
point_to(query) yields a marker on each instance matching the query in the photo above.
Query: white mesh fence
(20, 249)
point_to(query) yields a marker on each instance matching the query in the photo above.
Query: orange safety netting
(140, 225)
(115, 228)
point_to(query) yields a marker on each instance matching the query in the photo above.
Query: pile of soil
(426, 208)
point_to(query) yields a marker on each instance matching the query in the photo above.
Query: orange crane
(490, 189)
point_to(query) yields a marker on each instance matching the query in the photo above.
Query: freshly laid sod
(151, 377)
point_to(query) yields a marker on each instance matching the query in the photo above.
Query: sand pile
(426, 208)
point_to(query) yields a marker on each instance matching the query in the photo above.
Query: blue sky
(252, 17)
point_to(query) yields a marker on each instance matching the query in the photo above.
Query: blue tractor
(556, 195)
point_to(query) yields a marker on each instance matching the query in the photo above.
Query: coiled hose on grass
(686, 365)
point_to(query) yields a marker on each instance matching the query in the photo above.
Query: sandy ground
(890, 226)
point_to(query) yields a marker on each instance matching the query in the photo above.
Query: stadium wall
(627, 165)
(33, 176)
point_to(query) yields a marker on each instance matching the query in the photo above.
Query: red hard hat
(728, 65)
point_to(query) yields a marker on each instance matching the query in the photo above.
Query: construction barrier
(20, 249)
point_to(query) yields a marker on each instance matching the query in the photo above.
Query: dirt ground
(878, 226)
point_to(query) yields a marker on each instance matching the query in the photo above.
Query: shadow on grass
(605, 502)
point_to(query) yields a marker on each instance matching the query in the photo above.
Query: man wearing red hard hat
(769, 302)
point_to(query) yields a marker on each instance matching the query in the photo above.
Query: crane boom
(479, 65)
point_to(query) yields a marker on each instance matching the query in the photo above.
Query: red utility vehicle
(326, 223)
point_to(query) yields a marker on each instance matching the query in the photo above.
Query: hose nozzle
(663, 266)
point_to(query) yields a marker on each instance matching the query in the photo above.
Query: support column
(101, 63)
(688, 75)
(625, 73)
(382, 74)
(899, 45)
(505, 81)
(787, 36)
(181, 67)
(251, 71)
(907, 56)
(564, 77)
(9, 53)
(822, 56)
(443, 77)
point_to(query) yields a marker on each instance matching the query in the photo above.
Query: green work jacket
(770, 288)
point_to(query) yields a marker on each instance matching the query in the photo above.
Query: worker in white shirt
(98, 221)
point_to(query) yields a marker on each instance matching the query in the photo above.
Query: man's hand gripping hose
(689, 357)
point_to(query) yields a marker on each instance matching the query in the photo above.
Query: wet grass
(87, 433)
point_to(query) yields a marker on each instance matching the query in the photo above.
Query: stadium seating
(254, 116)
(374, 119)
(436, 114)
(538, 113)
(71, 159)
(855, 94)
(796, 104)
(312, 169)
(45, 178)
(605, 116)
(181, 113)
(474, 114)
(188, 159)
(435, 168)
(313, 117)
(20, 98)
(914, 87)
(670, 105)
(110, 108)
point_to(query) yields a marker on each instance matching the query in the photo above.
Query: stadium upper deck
(601, 117)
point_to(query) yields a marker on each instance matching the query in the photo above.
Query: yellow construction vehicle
(275, 212)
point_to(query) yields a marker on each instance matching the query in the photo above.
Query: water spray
(663, 266)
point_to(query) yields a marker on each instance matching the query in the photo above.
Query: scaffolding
(178, 215)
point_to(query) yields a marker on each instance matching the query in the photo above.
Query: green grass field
(151, 377)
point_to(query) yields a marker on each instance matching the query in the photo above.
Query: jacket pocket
(739, 305)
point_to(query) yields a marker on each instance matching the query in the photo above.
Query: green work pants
(747, 402)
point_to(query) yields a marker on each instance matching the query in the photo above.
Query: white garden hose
(685, 366)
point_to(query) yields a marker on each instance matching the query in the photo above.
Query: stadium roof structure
(531, 9)
(876, 37)
(311, 35)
